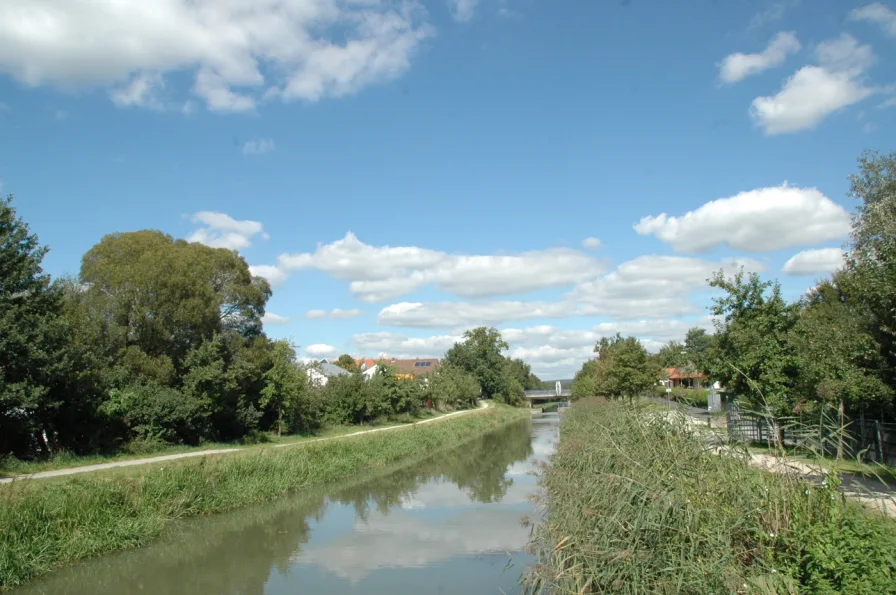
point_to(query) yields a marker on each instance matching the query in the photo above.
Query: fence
(870, 440)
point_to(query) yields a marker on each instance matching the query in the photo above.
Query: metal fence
(868, 439)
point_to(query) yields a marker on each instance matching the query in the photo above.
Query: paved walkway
(218, 451)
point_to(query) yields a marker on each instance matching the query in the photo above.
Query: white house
(320, 373)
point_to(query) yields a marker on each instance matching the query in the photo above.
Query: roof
(417, 367)
(328, 369)
(679, 373)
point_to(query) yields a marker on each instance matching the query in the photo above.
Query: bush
(695, 397)
(153, 412)
(638, 504)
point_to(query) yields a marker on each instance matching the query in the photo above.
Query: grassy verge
(872, 470)
(46, 524)
(10, 467)
(638, 504)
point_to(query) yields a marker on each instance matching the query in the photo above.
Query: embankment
(48, 523)
(638, 504)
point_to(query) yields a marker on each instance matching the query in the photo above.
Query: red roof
(680, 373)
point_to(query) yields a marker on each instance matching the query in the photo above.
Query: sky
(402, 171)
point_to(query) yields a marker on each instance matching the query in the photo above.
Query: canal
(451, 525)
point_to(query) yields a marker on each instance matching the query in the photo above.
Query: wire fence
(870, 440)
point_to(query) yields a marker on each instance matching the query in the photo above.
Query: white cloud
(274, 319)
(591, 243)
(320, 350)
(653, 286)
(402, 346)
(877, 13)
(238, 51)
(274, 275)
(891, 102)
(815, 92)
(223, 231)
(462, 10)
(737, 67)
(142, 91)
(813, 262)
(336, 314)
(759, 220)
(378, 273)
(258, 147)
(451, 314)
(771, 14)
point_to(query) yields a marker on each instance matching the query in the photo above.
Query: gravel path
(217, 451)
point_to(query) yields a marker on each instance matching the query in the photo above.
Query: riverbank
(45, 524)
(638, 504)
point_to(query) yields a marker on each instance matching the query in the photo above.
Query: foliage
(348, 363)
(699, 346)
(638, 504)
(155, 413)
(583, 383)
(623, 368)
(284, 383)
(672, 355)
(481, 354)
(453, 387)
(754, 358)
(522, 372)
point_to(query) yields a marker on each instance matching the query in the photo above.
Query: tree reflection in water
(234, 553)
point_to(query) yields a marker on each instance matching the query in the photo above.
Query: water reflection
(449, 525)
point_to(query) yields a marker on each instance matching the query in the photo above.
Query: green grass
(10, 467)
(46, 524)
(637, 503)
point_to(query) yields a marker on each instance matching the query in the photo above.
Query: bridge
(544, 396)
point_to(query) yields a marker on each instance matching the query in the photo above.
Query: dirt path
(218, 451)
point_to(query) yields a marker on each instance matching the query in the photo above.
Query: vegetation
(638, 504)
(623, 368)
(481, 354)
(48, 523)
(159, 342)
(695, 397)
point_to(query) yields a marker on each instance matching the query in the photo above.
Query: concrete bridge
(534, 397)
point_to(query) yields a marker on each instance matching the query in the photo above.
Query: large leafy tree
(167, 296)
(583, 385)
(623, 368)
(870, 279)
(753, 358)
(522, 372)
(699, 345)
(481, 354)
(347, 362)
(672, 355)
(284, 382)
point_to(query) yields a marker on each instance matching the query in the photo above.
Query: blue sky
(425, 167)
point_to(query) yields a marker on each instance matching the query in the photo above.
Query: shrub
(153, 412)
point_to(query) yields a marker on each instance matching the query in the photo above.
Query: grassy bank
(638, 504)
(44, 524)
(10, 466)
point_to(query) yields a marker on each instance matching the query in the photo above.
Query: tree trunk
(842, 429)
(279, 421)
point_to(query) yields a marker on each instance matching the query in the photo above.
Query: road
(217, 451)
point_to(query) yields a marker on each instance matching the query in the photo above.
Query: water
(448, 526)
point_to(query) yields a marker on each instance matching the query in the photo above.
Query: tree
(348, 363)
(32, 338)
(167, 296)
(623, 368)
(284, 382)
(583, 383)
(522, 372)
(453, 387)
(871, 261)
(753, 358)
(481, 354)
(699, 345)
(672, 355)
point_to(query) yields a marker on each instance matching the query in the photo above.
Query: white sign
(668, 390)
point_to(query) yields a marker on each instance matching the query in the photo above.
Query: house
(321, 372)
(683, 378)
(404, 368)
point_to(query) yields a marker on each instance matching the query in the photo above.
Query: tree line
(834, 346)
(160, 341)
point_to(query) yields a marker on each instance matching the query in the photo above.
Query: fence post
(880, 443)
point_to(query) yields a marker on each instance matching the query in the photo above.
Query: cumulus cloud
(653, 286)
(238, 52)
(760, 220)
(772, 13)
(591, 243)
(877, 13)
(451, 314)
(274, 319)
(737, 67)
(320, 350)
(815, 92)
(336, 314)
(378, 273)
(223, 231)
(813, 262)
(462, 10)
(258, 147)
(401, 346)
(274, 275)
(143, 90)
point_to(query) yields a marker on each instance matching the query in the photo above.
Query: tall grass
(637, 502)
(47, 523)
